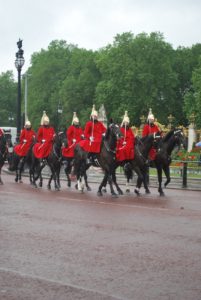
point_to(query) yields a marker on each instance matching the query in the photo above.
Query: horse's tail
(13, 161)
(79, 165)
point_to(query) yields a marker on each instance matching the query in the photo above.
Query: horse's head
(6, 145)
(114, 131)
(60, 139)
(180, 138)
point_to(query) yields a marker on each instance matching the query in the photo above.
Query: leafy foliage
(133, 73)
(8, 99)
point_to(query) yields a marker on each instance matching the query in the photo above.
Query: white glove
(103, 134)
(82, 136)
(124, 143)
(43, 141)
(74, 140)
(91, 138)
(24, 141)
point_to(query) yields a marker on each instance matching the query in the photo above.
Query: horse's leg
(103, 184)
(49, 182)
(111, 186)
(67, 170)
(1, 182)
(140, 179)
(54, 177)
(159, 171)
(86, 182)
(16, 161)
(166, 170)
(16, 174)
(145, 179)
(129, 175)
(40, 180)
(58, 175)
(114, 178)
(80, 185)
(20, 168)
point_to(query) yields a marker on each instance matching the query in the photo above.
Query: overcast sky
(92, 24)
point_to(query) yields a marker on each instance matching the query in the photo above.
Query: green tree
(8, 99)
(137, 74)
(78, 88)
(193, 96)
(48, 71)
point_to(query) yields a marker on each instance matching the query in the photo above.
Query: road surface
(66, 245)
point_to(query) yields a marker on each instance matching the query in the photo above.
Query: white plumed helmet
(27, 123)
(94, 112)
(44, 120)
(75, 118)
(150, 115)
(125, 118)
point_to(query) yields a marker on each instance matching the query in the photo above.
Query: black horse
(140, 162)
(20, 163)
(174, 138)
(53, 161)
(105, 159)
(5, 144)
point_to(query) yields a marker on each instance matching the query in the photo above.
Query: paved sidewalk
(95, 175)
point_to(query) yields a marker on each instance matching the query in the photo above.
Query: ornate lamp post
(170, 120)
(192, 118)
(19, 62)
(11, 119)
(59, 113)
(142, 120)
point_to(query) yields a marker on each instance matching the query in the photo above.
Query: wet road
(66, 245)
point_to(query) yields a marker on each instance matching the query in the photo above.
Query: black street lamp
(59, 113)
(19, 62)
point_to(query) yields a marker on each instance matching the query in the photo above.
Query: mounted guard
(149, 128)
(27, 137)
(74, 134)
(45, 137)
(93, 132)
(126, 144)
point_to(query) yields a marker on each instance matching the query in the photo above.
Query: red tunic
(94, 130)
(125, 145)
(150, 130)
(1, 132)
(73, 135)
(43, 148)
(26, 140)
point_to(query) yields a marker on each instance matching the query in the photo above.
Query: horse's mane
(168, 136)
(107, 132)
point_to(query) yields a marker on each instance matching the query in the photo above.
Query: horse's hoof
(57, 189)
(137, 192)
(162, 194)
(16, 180)
(48, 187)
(128, 191)
(99, 193)
(147, 191)
(88, 188)
(114, 195)
(120, 192)
(20, 181)
(69, 184)
(104, 190)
